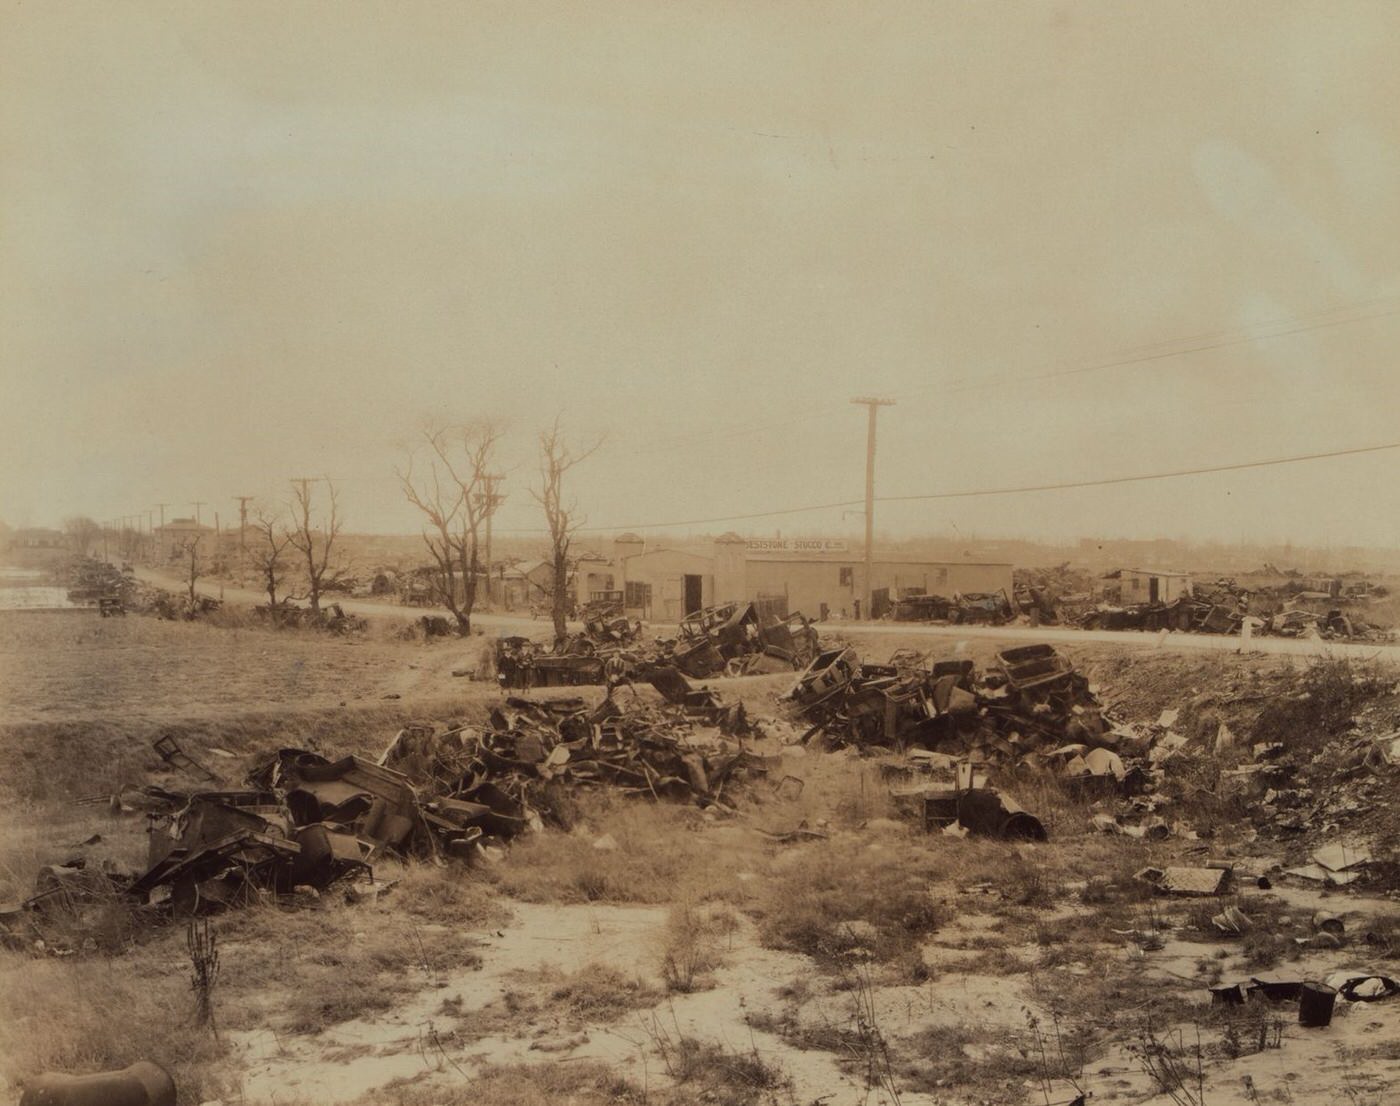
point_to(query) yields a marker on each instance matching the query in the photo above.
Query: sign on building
(795, 545)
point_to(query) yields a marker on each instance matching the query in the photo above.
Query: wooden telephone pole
(873, 406)
(243, 522)
(489, 502)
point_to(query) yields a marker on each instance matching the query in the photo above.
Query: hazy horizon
(1076, 241)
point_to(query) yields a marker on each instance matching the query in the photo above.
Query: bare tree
(447, 478)
(266, 552)
(561, 514)
(189, 550)
(82, 533)
(314, 538)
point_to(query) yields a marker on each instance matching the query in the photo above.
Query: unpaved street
(1278, 646)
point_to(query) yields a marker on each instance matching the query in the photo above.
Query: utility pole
(197, 506)
(872, 405)
(243, 522)
(155, 550)
(489, 502)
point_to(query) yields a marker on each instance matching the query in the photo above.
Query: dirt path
(368, 608)
(1132, 639)
(428, 1040)
(417, 1042)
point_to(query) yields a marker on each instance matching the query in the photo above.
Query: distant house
(35, 546)
(175, 537)
(1142, 585)
(35, 538)
(526, 582)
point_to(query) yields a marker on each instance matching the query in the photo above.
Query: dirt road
(369, 608)
(1054, 634)
(1163, 640)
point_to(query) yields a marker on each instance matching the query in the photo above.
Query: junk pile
(116, 591)
(606, 625)
(1218, 608)
(920, 607)
(1222, 606)
(523, 663)
(736, 639)
(1057, 595)
(1328, 624)
(1315, 999)
(733, 639)
(331, 617)
(100, 584)
(303, 820)
(608, 646)
(971, 608)
(1032, 707)
(969, 807)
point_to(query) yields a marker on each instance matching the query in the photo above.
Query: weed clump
(1329, 694)
(845, 903)
(697, 935)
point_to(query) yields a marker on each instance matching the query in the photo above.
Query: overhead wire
(1164, 349)
(971, 493)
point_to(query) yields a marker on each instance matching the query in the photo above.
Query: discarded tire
(987, 813)
(142, 1084)
(1315, 1005)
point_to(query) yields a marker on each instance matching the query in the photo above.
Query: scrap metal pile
(1222, 607)
(736, 639)
(99, 584)
(1032, 708)
(732, 639)
(1216, 608)
(608, 645)
(331, 617)
(980, 608)
(305, 820)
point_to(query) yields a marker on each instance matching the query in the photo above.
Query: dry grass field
(648, 953)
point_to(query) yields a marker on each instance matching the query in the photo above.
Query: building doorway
(694, 594)
(1152, 593)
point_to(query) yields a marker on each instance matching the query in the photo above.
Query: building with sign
(822, 579)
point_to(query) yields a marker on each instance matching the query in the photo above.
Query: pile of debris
(972, 608)
(99, 584)
(1218, 608)
(733, 639)
(1032, 707)
(1060, 594)
(331, 617)
(1332, 624)
(304, 820)
(1222, 606)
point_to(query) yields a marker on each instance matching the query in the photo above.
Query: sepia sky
(1076, 240)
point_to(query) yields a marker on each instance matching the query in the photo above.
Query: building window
(848, 577)
(638, 594)
(941, 576)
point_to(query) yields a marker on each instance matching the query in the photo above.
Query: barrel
(1325, 921)
(141, 1084)
(988, 813)
(1315, 1005)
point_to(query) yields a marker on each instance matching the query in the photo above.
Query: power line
(1147, 476)
(1145, 358)
(1064, 485)
(1263, 330)
(872, 404)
